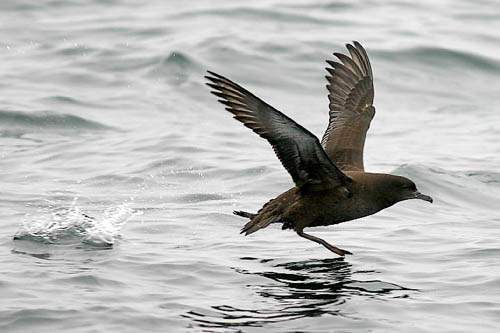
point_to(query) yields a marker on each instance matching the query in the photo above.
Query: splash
(69, 225)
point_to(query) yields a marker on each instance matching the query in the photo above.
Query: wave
(255, 14)
(66, 100)
(47, 120)
(477, 189)
(444, 57)
(176, 68)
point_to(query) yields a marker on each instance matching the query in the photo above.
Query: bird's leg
(330, 247)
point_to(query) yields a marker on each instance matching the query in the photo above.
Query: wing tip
(212, 73)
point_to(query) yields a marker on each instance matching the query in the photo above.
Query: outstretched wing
(350, 87)
(298, 149)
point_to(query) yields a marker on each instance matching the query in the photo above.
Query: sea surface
(119, 171)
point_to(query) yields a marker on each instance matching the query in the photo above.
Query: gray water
(104, 112)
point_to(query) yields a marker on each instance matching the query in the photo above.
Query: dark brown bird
(331, 185)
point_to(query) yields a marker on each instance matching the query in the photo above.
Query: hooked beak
(418, 195)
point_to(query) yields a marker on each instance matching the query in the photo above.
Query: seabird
(331, 185)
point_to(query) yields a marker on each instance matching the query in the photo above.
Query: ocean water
(119, 171)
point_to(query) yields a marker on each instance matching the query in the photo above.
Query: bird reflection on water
(299, 289)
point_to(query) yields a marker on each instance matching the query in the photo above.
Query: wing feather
(350, 88)
(299, 150)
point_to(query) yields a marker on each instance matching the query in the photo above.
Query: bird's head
(402, 188)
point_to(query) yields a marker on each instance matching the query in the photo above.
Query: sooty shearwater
(331, 185)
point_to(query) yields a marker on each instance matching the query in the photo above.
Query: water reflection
(296, 290)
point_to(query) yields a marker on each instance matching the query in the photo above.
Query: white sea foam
(63, 225)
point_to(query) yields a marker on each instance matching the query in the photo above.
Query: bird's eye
(411, 187)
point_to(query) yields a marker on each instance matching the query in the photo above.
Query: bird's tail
(244, 214)
(257, 221)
